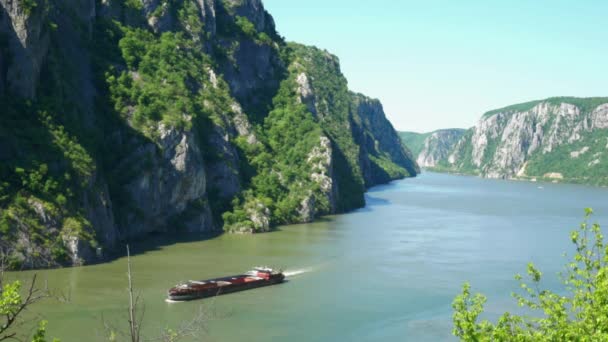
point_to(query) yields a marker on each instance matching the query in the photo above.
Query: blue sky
(439, 64)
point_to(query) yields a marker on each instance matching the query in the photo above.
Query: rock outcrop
(437, 146)
(24, 41)
(378, 140)
(322, 166)
(125, 118)
(175, 177)
(540, 139)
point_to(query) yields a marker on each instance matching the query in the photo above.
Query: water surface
(383, 273)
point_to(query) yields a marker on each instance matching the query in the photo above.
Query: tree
(135, 319)
(581, 315)
(14, 302)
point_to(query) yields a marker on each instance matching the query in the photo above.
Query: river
(386, 272)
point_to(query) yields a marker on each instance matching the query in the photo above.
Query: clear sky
(440, 64)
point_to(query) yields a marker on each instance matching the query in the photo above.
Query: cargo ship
(257, 277)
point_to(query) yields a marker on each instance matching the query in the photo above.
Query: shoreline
(156, 240)
(539, 180)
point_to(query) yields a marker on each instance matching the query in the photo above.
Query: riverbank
(555, 178)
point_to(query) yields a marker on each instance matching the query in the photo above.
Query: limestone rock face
(28, 254)
(242, 125)
(377, 137)
(437, 146)
(208, 14)
(517, 135)
(505, 142)
(100, 212)
(321, 162)
(307, 209)
(254, 68)
(158, 15)
(175, 178)
(222, 173)
(306, 93)
(160, 18)
(321, 158)
(599, 117)
(259, 214)
(25, 43)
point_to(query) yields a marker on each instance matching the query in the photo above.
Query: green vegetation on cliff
(582, 161)
(282, 166)
(332, 100)
(30, 187)
(303, 151)
(174, 115)
(46, 166)
(560, 139)
(158, 83)
(414, 141)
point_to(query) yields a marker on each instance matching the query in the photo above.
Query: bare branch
(191, 328)
(32, 296)
(133, 324)
(136, 314)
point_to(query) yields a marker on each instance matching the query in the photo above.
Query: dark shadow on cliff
(6, 36)
(94, 123)
(350, 191)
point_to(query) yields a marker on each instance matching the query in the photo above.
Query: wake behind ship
(258, 277)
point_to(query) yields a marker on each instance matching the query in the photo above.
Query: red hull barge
(258, 277)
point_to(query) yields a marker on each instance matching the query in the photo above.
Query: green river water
(383, 273)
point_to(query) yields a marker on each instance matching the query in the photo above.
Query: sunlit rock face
(533, 140)
(437, 146)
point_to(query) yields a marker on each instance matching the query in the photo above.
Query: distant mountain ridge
(559, 139)
(414, 141)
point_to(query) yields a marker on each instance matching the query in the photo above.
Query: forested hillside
(125, 117)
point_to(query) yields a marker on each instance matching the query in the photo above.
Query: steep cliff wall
(24, 40)
(559, 139)
(430, 149)
(437, 146)
(382, 155)
(124, 118)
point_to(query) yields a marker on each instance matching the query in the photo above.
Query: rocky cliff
(380, 145)
(127, 117)
(557, 139)
(433, 147)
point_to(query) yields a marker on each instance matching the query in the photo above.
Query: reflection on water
(386, 272)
